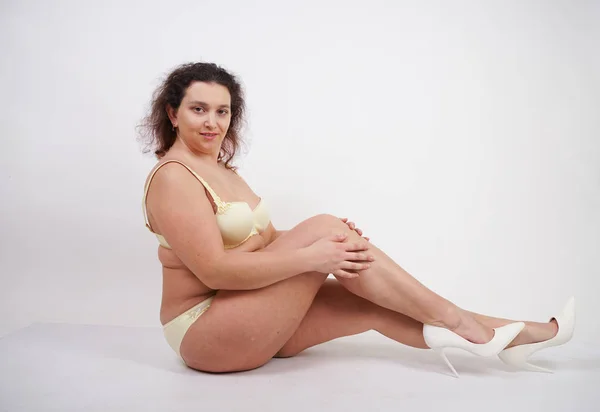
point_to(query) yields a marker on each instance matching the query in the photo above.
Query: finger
(340, 237)
(359, 257)
(352, 225)
(355, 246)
(344, 219)
(355, 266)
(345, 275)
(366, 238)
(360, 232)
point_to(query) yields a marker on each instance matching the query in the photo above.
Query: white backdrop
(462, 137)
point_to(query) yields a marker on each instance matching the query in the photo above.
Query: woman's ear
(172, 113)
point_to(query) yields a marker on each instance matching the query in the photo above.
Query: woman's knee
(309, 231)
(328, 223)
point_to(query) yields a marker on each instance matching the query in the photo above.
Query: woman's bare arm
(182, 213)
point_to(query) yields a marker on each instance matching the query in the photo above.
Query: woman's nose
(211, 120)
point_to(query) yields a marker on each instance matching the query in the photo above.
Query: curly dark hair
(156, 128)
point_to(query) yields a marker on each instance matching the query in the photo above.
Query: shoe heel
(518, 358)
(442, 353)
(533, 368)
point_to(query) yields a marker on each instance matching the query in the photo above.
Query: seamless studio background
(462, 137)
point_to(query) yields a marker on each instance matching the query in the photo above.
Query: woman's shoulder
(154, 169)
(162, 167)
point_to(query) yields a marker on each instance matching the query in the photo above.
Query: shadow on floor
(146, 346)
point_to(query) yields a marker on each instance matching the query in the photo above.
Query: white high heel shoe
(439, 339)
(517, 355)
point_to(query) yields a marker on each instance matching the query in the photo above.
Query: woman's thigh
(244, 329)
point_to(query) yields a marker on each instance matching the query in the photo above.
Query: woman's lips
(209, 136)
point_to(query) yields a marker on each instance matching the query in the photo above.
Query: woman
(238, 292)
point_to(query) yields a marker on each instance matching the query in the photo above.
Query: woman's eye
(198, 109)
(224, 112)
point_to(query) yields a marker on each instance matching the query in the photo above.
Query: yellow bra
(236, 220)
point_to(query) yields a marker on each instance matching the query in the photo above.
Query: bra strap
(216, 199)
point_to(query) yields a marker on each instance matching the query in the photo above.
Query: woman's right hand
(331, 255)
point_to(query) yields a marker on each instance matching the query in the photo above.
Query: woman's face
(203, 117)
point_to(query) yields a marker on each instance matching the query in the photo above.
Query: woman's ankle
(448, 316)
(469, 328)
(462, 323)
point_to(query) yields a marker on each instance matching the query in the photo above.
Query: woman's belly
(181, 288)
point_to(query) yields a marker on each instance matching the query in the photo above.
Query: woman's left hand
(352, 226)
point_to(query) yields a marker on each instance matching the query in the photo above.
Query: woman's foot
(538, 336)
(535, 332)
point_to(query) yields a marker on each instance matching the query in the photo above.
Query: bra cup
(235, 223)
(261, 216)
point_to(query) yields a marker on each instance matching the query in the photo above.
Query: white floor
(64, 367)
